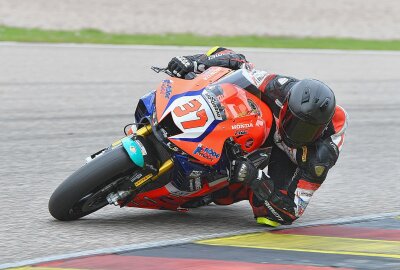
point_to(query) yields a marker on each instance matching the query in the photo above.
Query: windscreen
(243, 79)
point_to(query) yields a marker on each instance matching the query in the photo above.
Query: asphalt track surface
(59, 104)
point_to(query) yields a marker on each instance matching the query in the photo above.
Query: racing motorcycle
(179, 150)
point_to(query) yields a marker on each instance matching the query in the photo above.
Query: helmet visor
(297, 132)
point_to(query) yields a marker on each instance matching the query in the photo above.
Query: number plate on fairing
(191, 114)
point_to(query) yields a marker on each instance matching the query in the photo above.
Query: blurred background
(364, 19)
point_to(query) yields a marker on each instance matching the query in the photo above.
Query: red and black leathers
(217, 56)
(296, 172)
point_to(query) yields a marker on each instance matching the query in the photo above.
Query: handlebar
(189, 76)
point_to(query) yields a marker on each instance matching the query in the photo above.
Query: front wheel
(85, 191)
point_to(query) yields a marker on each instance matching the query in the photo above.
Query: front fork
(167, 165)
(135, 152)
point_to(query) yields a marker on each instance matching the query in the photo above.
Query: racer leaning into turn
(306, 139)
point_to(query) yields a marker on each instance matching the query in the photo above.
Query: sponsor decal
(205, 152)
(270, 208)
(301, 199)
(301, 207)
(143, 180)
(241, 132)
(214, 104)
(242, 126)
(211, 57)
(144, 152)
(136, 177)
(166, 88)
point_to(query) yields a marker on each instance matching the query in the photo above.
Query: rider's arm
(220, 57)
(217, 56)
(273, 88)
(314, 162)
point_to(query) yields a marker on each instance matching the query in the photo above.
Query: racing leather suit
(296, 173)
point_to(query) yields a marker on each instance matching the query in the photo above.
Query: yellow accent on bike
(212, 50)
(266, 221)
(167, 165)
(116, 143)
(146, 130)
(143, 180)
(164, 168)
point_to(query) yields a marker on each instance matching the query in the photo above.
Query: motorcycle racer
(306, 139)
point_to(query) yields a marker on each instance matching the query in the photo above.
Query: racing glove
(182, 65)
(273, 205)
(278, 208)
(216, 57)
(243, 171)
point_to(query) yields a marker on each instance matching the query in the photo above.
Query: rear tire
(81, 193)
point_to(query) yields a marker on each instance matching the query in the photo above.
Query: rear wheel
(85, 191)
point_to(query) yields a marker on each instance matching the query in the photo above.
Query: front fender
(135, 150)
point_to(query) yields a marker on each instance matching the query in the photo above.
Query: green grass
(95, 36)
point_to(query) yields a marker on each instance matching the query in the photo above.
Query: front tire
(85, 191)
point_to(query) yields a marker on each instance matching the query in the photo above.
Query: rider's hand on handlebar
(243, 171)
(181, 65)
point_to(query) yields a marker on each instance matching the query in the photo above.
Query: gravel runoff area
(364, 19)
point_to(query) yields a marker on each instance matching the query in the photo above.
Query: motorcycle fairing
(198, 121)
(192, 115)
(145, 107)
(175, 86)
(191, 169)
(170, 197)
(243, 116)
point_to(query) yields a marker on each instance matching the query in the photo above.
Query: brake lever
(164, 70)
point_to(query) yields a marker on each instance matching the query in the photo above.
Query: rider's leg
(231, 194)
(281, 170)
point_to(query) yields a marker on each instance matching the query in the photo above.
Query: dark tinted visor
(299, 132)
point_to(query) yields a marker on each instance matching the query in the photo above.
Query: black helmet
(307, 110)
